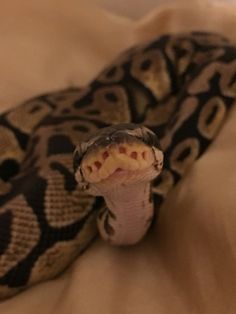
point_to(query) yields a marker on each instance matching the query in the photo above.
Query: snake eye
(77, 160)
(150, 138)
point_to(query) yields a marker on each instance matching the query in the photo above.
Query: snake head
(119, 154)
(119, 162)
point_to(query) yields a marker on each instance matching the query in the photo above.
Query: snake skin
(180, 86)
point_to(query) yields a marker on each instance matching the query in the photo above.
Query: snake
(103, 158)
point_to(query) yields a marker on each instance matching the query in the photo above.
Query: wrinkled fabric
(186, 264)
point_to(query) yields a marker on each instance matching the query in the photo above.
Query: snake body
(181, 87)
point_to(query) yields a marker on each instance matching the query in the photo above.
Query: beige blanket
(187, 263)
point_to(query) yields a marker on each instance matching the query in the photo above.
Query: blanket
(186, 264)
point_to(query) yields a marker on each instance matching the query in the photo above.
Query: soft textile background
(187, 263)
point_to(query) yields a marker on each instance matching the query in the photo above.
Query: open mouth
(122, 153)
(115, 160)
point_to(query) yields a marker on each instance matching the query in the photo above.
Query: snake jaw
(119, 164)
(127, 145)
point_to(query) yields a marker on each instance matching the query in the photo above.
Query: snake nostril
(98, 164)
(118, 169)
(122, 150)
(105, 155)
(89, 169)
(144, 155)
(134, 155)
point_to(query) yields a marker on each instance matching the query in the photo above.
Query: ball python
(169, 95)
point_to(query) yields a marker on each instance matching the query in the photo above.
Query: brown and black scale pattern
(179, 86)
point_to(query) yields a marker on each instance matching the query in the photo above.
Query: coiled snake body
(180, 87)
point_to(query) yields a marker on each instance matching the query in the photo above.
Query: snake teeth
(127, 157)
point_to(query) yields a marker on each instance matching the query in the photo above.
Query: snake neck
(129, 214)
